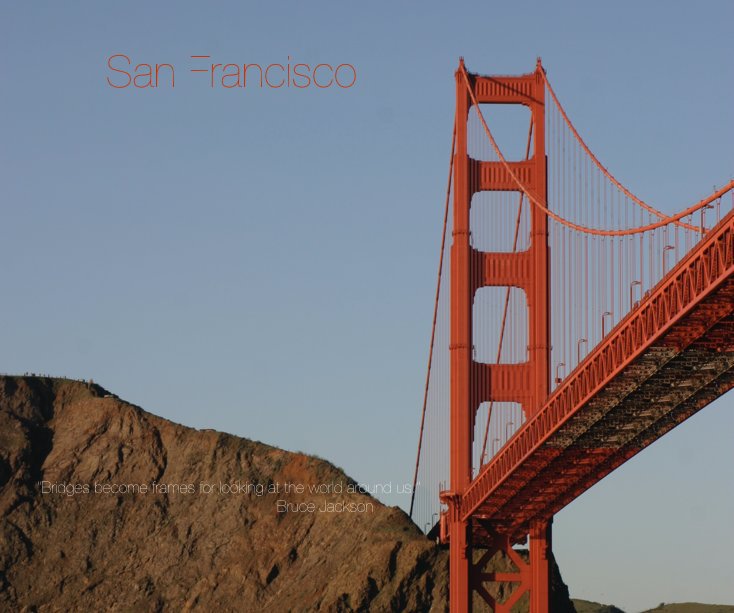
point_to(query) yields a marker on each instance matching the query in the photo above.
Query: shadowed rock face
(166, 549)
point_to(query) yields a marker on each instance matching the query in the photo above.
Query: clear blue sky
(262, 262)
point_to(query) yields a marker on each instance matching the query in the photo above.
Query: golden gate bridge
(578, 325)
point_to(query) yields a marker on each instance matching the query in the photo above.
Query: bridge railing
(693, 278)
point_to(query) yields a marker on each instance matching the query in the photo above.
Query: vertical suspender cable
(435, 316)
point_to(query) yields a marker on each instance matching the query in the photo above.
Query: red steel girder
(672, 317)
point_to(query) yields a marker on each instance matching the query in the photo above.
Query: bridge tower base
(500, 581)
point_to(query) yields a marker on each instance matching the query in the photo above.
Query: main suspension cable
(574, 226)
(600, 166)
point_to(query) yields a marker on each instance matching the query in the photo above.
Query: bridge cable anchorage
(574, 226)
(600, 166)
(435, 316)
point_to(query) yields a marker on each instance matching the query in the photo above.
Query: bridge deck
(670, 357)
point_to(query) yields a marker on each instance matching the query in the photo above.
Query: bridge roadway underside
(688, 367)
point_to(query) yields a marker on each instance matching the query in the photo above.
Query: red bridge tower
(473, 383)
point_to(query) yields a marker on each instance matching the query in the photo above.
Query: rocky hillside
(691, 607)
(104, 506)
(586, 606)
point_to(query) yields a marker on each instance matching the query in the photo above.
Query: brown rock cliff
(171, 549)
